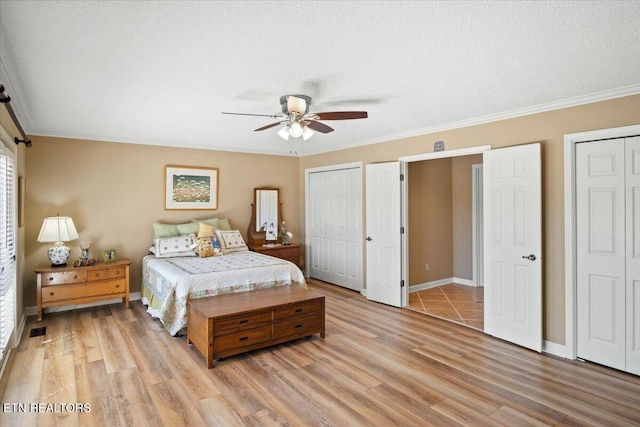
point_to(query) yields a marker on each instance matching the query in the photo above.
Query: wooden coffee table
(230, 324)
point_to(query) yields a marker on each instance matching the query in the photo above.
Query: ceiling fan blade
(342, 115)
(273, 116)
(320, 127)
(269, 126)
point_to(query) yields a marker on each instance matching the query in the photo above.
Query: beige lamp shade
(57, 229)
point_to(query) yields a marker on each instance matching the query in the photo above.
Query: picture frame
(190, 188)
(109, 255)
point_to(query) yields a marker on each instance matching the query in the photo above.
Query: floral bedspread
(171, 282)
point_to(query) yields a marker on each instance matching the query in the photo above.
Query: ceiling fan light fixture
(307, 133)
(295, 130)
(296, 105)
(284, 133)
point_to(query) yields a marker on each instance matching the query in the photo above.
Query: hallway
(457, 303)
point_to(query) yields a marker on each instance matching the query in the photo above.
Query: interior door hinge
(401, 177)
(401, 230)
(402, 283)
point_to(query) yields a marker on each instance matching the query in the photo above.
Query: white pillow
(174, 246)
(231, 241)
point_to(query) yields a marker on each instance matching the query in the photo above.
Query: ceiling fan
(298, 122)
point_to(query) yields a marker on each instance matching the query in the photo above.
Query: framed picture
(190, 188)
(109, 255)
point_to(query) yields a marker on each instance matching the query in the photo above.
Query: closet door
(632, 184)
(335, 227)
(600, 244)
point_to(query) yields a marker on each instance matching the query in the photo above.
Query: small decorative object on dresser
(109, 255)
(67, 285)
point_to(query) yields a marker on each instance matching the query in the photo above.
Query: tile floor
(458, 303)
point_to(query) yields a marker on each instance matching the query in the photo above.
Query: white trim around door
(307, 219)
(570, 141)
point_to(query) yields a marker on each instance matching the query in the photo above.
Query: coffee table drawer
(297, 309)
(297, 326)
(241, 322)
(241, 339)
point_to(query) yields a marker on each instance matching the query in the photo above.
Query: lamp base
(58, 254)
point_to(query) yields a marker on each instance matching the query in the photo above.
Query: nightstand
(79, 285)
(289, 252)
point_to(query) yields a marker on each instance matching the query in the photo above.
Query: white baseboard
(32, 311)
(554, 349)
(465, 282)
(436, 283)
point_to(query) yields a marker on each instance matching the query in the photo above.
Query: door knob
(369, 239)
(531, 257)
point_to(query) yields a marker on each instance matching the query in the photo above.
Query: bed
(168, 282)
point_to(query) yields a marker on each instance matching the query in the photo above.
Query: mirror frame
(257, 238)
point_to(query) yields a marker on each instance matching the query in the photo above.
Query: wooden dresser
(230, 324)
(290, 252)
(79, 285)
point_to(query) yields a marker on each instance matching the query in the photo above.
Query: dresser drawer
(297, 326)
(58, 277)
(82, 290)
(241, 339)
(239, 323)
(295, 310)
(285, 253)
(106, 273)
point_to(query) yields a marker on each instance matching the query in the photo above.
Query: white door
(632, 183)
(335, 227)
(383, 233)
(513, 245)
(600, 229)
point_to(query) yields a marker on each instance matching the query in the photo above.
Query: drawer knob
(51, 279)
(244, 321)
(298, 326)
(298, 310)
(50, 293)
(117, 271)
(117, 286)
(243, 338)
(75, 276)
(96, 274)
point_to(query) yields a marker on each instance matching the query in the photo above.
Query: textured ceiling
(162, 72)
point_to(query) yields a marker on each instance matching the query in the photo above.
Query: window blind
(7, 251)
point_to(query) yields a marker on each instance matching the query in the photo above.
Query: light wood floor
(378, 366)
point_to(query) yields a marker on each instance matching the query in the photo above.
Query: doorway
(602, 184)
(442, 278)
(570, 142)
(334, 224)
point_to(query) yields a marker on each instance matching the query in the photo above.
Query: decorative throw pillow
(206, 230)
(187, 228)
(231, 241)
(174, 246)
(219, 223)
(161, 230)
(208, 246)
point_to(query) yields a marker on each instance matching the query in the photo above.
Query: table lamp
(58, 229)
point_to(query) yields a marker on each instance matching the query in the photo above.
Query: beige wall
(462, 198)
(549, 129)
(114, 192)
(430, 221)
